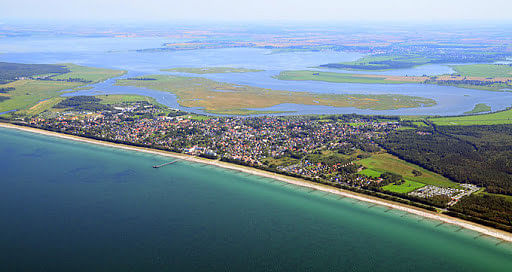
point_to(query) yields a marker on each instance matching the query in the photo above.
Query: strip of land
(210, 70)
(226, 98)
(505, 236)
(488, 77)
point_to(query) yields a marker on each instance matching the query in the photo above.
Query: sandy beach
(502, 235)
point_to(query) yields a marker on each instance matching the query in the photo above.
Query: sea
(73, 206)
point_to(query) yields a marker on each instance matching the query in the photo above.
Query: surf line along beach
(484, 230)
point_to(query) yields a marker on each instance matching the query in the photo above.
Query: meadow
(346, 78)
(484, 70)
(225, 98)
(495, 118)
(381, 63)
(385, 162)
(28, 93)
(406, 187)
(32, 96)
(94, 75)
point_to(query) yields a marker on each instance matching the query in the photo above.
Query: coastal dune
(502, 235)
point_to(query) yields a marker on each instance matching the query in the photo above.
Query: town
(322, 149)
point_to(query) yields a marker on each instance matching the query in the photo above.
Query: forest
(481, 155)
(478, 154)
(84, 103)
(11, 71)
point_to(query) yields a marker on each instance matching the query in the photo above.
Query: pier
(164, 164)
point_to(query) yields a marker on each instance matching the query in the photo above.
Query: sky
(257, 10)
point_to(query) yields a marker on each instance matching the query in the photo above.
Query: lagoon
(121, 53)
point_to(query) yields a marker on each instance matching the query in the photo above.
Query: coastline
(502, 235)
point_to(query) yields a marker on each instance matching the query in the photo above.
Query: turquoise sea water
(69, 206)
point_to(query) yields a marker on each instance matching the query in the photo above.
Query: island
(226, 98)
(489, 77)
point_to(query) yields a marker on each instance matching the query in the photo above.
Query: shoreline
(495, 233)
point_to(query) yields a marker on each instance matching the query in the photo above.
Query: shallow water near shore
(74, 206)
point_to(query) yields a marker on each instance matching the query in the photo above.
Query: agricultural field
(211, 70)
(384, 162)
(347, 78)
(404, 188)
(495, 118)
(484, 70)
(225, 98)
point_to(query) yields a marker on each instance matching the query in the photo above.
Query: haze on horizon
(432, 11)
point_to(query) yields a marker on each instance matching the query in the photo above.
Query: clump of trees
(83, 103)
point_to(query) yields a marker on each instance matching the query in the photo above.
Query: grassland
(479, 108)
(346, 78)
(488, 77)
(211, 70)
(380, 63)
(31, 96)
(225, 98)
(384, 162)
(94, 75)
(484, 70)
(495, 118)
(113, 99)
(30, 92)
(370, 173)
(404, 188)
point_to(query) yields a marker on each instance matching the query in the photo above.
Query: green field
(479, 108)
(34, 96)
(483, 70)
(113, 99)
(88, 73)
(338, 77)
(381, 63)
(404, 188)
(226, 98)
(29, 92)
(496, 118)
(211, 70)
(384, 162)
(370, 173)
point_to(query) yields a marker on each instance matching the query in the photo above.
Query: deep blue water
(69, 206)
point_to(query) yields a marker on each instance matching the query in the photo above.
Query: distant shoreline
(499, 234)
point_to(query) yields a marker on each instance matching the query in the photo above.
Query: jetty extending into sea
(164, 164)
